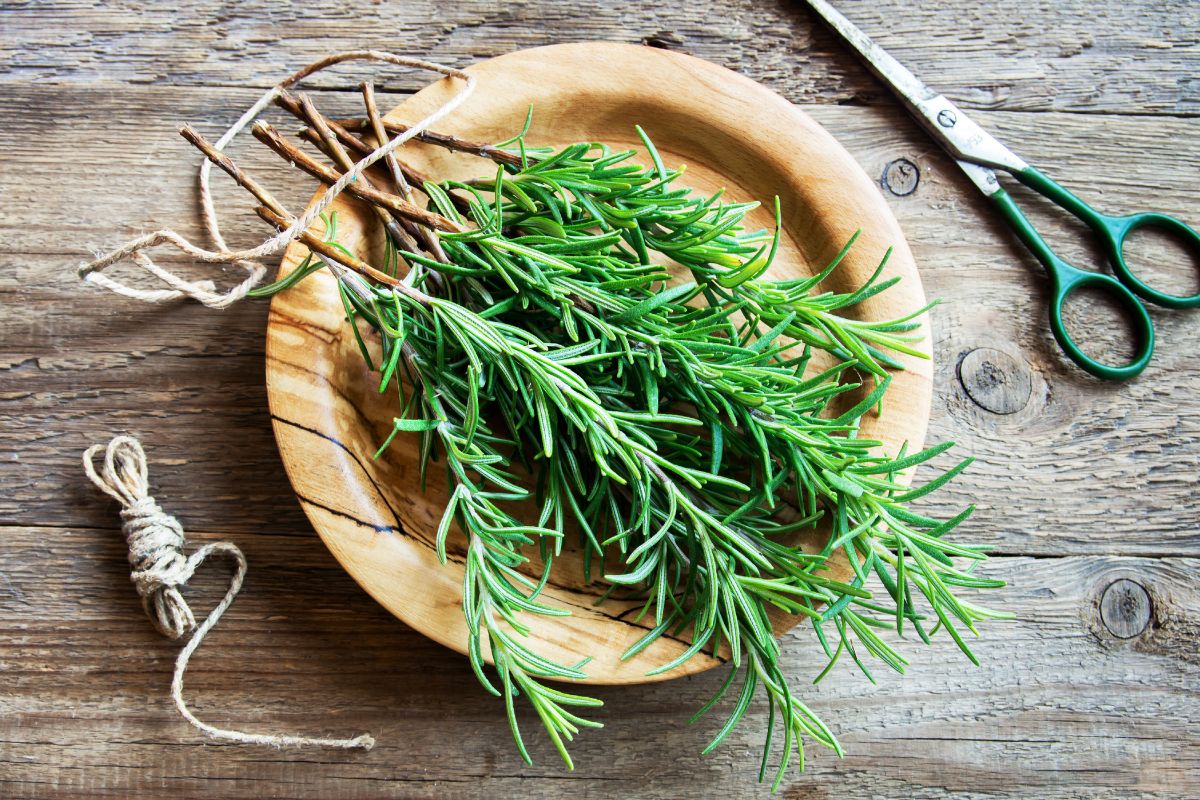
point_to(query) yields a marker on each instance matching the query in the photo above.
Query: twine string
(204, 291)
(160, 570)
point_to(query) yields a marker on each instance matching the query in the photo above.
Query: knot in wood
(900, 177)
(995, 381)
(1125, 608)
(663, 40)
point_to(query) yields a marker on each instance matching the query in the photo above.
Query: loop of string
(159, 570)
(204, 291)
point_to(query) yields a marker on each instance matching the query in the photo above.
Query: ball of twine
(160, 570)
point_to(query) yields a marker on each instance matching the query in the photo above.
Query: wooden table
(1087, 492)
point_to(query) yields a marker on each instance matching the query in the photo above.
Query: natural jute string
(160, 570)
(204, 291)
(156, 538)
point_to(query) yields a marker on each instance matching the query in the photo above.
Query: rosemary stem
(291, 104)
(443, 140)
(226, 163)
(289, 152)
(332, 146)
(428, 236)
(327, 250)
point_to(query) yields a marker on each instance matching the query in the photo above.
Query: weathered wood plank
(1064, 705)
(1082, 56)
(1077, 713)
(80, 363)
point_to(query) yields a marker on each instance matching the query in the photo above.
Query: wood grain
(1011, 54)
(1060, 709)
(1087, 484)
(328, 417)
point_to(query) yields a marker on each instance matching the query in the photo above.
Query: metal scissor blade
(983, 177)
(956, 132)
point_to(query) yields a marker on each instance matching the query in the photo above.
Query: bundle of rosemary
(529, 327)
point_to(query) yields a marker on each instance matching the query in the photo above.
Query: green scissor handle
(1112, 232)
(1065, 279)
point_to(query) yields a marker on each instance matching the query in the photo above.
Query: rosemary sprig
(672, 425)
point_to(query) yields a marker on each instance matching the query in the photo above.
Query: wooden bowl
(730, 132)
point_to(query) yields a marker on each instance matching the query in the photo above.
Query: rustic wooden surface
(1087, 492)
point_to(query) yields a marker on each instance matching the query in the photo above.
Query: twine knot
(155, 538)
(156, 541)
(159, 570)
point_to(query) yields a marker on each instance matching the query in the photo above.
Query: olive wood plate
(730, 132)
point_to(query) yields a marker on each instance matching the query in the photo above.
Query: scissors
(980, 155)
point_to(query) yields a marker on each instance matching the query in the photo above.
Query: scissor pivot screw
(946, 118)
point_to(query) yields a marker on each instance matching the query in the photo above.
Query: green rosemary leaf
(672, 295)
(414, 424)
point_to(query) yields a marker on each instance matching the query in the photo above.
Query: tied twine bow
(160, 570)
